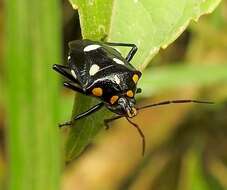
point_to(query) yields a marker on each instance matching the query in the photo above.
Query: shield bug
(97, 69)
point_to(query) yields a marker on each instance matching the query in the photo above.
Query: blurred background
(186, 144)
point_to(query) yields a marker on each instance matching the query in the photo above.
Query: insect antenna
(141, 134)
(174, 102)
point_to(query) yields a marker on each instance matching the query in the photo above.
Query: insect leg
(141, 134)
(64, 70)
(67, 123)
(131, 53)
(73, 87)
(84, 114)
(107, 121)
(89, 111)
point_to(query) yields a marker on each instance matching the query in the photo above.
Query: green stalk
(32, 46)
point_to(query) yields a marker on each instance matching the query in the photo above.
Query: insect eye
(113, 99)
(129, 93)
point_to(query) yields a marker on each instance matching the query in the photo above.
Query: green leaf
(150, 24)
(32, 47)
(95, 16)
(84, 130)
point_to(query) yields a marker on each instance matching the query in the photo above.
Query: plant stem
(32, 46)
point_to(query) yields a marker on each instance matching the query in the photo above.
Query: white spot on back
(69, 57)
(91, 47)
(117, 80)
(93, 70)
(118, 61)
(73, 74)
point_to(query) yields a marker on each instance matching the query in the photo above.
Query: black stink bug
(96, 69)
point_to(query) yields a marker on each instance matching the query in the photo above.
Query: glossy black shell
(112, 77)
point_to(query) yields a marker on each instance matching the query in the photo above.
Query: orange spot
(97, 91)
(129, 93)
(135, 78)
(113, 99)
